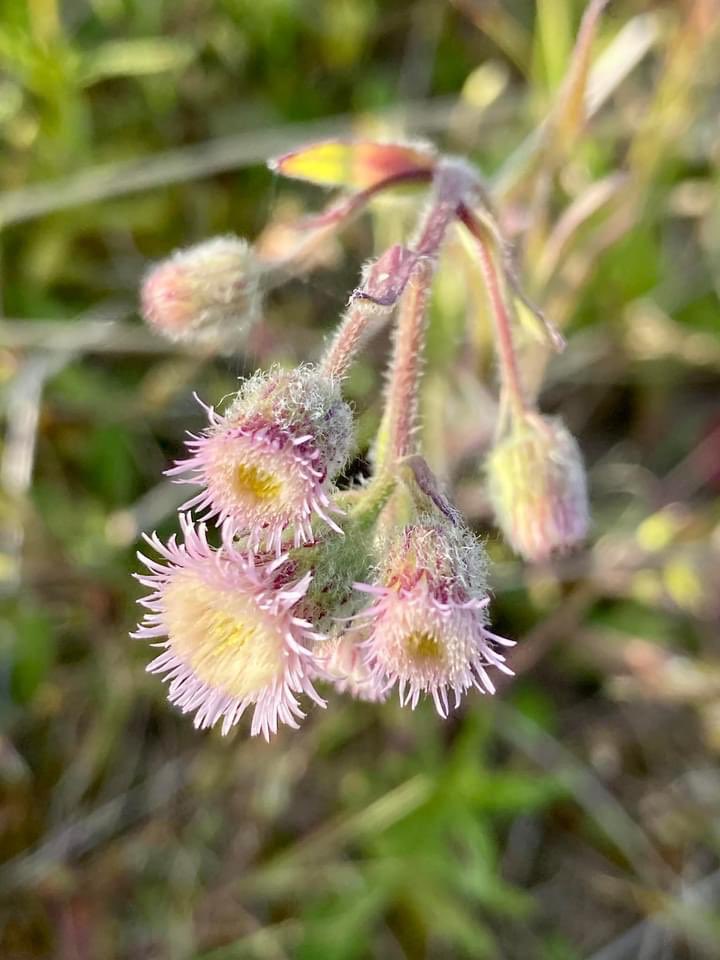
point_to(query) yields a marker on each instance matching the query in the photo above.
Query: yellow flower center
(423, 645)
(223, 636)
(259, 484)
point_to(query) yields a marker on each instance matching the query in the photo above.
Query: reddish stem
(509, 371)
(401, 411)
(355, 328)
(312, 229)
(388, 278)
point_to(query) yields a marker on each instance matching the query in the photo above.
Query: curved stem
(308, 232)
(356, 326)
(384, 282)
(510, 374)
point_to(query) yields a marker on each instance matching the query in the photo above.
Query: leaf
(514, 793)
(338, 926)
(109, 461)
(452, 920)
(570, 110)
(356, 165)
(553, 40)
(132, 58)
(33, 653)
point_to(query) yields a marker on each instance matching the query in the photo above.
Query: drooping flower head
(537, 486)
(268, 462)
(207, 293)
(341, 662)
(427, 626)
(229, 633)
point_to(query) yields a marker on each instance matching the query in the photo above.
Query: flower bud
(537, 486)
(426, 630)
(268, 463)
(208, 293)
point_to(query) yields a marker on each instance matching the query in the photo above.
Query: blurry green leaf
(534, 703)
(479, 877)
(345, 27)
(557, 947)
(553, 40)
(33, 652)
(11, 99)
(512, 793)
(570, 111)
(448, 918)
(634, 619)
(131, 58)
(110, 460)
(339, 927)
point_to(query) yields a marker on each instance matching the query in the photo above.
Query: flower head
(203, 294)
(228, 631)
(341, 662)
(537, 486)
(268, 463)
(427, 626)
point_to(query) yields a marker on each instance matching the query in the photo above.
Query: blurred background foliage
(577, 814)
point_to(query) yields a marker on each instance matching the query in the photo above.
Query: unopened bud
(208, 293)
(537, 486)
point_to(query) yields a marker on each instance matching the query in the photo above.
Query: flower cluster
(279, 581)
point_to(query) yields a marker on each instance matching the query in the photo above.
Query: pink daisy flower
(268, 463)
(426, 629)
(228, 632)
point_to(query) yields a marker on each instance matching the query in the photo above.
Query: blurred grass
(577, 817)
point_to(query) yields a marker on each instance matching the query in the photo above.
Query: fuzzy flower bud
(229, 632)
(208, 293)
(426, 630)
(268, 463)
(537, 486)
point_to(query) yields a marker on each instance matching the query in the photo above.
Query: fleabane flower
(537, 487)
(229, 634)
(268, 463)
(341, 662)
(427, 624)
(207, 293)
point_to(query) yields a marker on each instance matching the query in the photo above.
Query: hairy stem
(386, 279)
(397, 433)
(510, 375)
(358, 323)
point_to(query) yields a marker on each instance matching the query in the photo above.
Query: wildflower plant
(374, 588)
